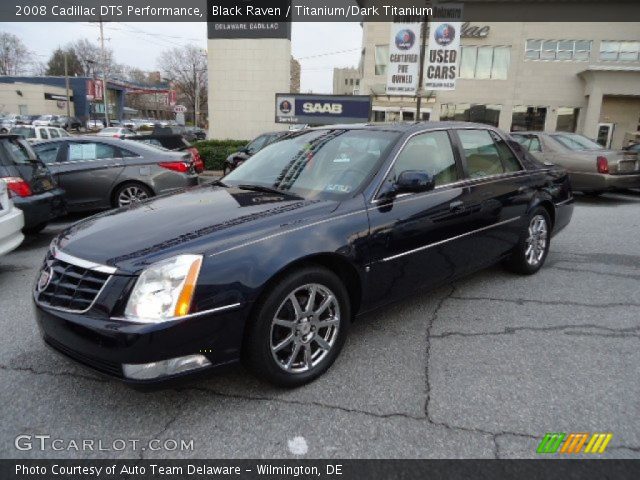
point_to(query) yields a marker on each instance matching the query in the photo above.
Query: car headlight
(164, 290)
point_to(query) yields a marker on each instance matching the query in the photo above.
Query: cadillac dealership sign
(322, 109)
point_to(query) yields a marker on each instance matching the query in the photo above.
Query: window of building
(346, 81)
(528, 118)
(484, 62)
(378, 116)
(431, 152)
(357, 82)
(351, 81)
(483, 158)
(558, 50)
(408, 116)
(567, 119)
(23, 110)
(382, 59)
(465, 112)
(622, 51)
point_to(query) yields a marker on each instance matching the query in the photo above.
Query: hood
(200, 220)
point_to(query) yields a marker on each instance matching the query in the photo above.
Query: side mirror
(414, 181)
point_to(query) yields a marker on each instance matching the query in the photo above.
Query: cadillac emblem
(45, 278)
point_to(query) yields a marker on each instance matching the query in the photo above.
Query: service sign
(322, 109)
(404, 59)
(441, 64)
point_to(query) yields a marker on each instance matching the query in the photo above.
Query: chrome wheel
(131, 194)
(536, 243)
(305, 328)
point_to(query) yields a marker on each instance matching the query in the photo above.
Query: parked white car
(95, 125)
(11, 222)
(46, 121)
(33, 134)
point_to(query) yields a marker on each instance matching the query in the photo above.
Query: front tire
(298, 328)
(533, 247)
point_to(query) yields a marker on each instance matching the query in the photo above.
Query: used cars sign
(322, 109)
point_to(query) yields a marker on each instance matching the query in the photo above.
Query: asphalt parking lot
(482, 368)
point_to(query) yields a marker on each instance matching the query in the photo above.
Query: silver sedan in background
(101, 173)
(592, 168)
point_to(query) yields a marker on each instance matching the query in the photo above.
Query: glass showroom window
(485, 62)
(558, 50)
(623, 51)
(465, 112)
(526, 118)
(567, 119)
(382, 58)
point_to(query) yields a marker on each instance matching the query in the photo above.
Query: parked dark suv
(30, 184)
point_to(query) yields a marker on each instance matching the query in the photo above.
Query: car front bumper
(105, 344)
(41, 208)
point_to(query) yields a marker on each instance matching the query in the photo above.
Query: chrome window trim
(435, 244)
(79, 262)
(523, 170)
(69, 310)
(190, 315)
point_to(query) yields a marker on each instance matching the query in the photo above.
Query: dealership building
(578, 77)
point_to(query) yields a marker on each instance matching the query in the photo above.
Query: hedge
(214, 152)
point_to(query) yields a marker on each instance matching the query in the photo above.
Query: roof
(405, 127)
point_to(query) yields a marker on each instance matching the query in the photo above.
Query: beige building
(33, 99)
(582, 77)
(346, 81)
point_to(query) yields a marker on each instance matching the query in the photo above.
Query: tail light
(198, 163)
(182, 167)
(17, 187)
(603, 165)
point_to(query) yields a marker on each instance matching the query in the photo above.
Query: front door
(410, 240)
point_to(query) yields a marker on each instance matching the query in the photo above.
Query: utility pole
(66, 84)
(196, 103)
(423, 49)
(104, 76)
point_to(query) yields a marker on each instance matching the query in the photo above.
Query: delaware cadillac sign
(322, 109)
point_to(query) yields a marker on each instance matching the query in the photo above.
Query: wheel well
(336, 264)
(548, 206)
(128, 182)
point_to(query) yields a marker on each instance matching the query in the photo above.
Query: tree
(14, 55)
(186, 68)
(90, 56)
(55, 66)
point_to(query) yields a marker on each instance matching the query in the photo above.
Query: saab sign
(322, 109)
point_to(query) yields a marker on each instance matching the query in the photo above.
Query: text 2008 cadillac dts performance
(273, 263)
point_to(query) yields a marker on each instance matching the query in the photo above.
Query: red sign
(172, 97)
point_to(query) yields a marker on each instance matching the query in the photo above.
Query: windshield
(574, 141)
(24, 132)
(322, 164)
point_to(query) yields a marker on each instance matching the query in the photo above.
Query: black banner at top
(277, 11)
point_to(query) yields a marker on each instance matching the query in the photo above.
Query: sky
(139, 44)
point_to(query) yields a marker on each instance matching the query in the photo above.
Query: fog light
(163, 368)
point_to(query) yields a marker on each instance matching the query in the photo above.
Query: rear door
(499, 192)
(87, 171)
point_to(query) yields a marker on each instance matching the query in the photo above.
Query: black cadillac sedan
(273, 263)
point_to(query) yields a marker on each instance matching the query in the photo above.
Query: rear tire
(291, 345)
(533, 247)
(130, 193)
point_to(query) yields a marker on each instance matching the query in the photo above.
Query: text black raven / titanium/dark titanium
(271, 264)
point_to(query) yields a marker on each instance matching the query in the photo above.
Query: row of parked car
(60, 121)
(42, 180)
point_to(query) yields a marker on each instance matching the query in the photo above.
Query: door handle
(457, 206)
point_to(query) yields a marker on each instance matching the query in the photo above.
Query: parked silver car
(592, 168)
(100, 173)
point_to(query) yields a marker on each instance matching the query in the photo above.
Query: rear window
(24, 132)
(576, 142)
(20, 151)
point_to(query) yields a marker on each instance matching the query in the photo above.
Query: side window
(48, 153)
(54, 133)
(127, 153)
(431, 152)
(90, 151)
(509, 160)
(481, 153)
(63, 133)
(43, 133)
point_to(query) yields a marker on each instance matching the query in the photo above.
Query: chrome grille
(70, 287)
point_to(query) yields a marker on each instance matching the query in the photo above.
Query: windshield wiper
(261, 188)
